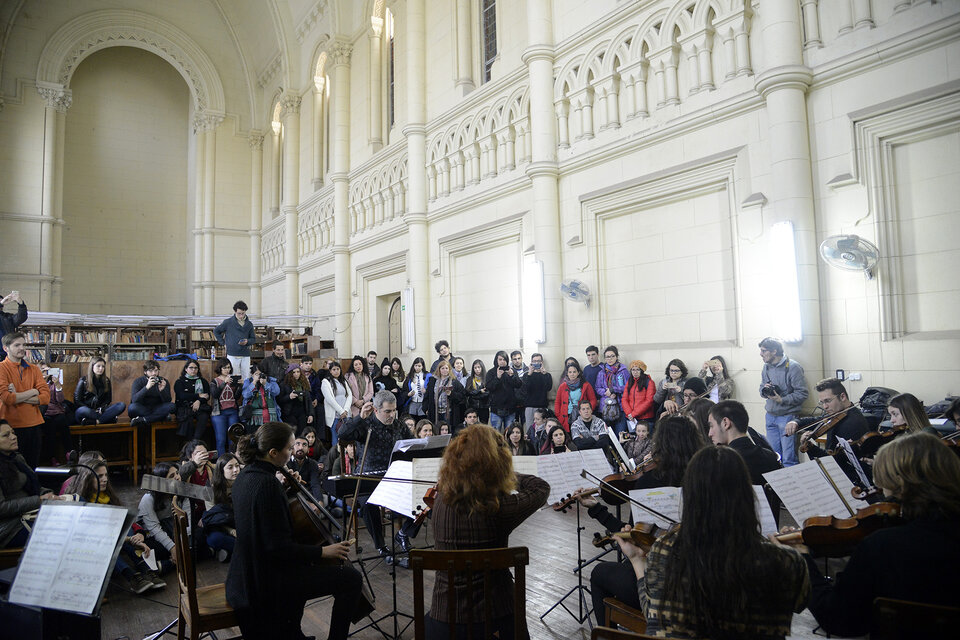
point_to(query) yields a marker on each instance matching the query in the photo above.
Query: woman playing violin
(915, 561)
(271, 577)
(480, 500)
(715, 576)
(907, 412)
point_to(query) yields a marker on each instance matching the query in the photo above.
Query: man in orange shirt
(22, 391)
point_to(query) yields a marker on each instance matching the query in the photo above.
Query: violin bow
(815, 425)
(589, 476)
(301, 488)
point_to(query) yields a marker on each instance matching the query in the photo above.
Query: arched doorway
(394, 334)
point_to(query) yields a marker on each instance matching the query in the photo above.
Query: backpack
(611, 412)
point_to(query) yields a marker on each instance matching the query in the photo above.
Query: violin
(830, 537)
(429, 498)
(823, 426)
(643, 535)
(614, 486)
(870, 442)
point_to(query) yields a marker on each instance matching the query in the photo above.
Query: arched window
(391, 76)
(321, 121)
(276, 168)
(382, 76)
(488, 31)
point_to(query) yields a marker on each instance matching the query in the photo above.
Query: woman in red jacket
(638, 393)
(572, 388)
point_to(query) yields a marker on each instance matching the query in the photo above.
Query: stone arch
(89, 33)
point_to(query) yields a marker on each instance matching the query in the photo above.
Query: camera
(771, 390)
(504, 368)
(537, 365)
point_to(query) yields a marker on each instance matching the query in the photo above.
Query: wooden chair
(10, 557)
(896, 619)
(624, 615)
(203, 609)
(482, 561)
(606, 633)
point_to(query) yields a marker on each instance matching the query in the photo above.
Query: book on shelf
(136, 336)
(97, 337)
(134, 354)
(36, 355)
(202, 335)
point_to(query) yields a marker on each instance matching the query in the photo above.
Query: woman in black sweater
(193, 402)
(502, 384)
(271, 577)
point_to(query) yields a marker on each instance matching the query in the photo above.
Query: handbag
(611, 410)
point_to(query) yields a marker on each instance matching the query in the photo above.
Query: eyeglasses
(674, 370)
(610, 356)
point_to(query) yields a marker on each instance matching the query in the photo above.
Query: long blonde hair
(922, 472)
(477, 470)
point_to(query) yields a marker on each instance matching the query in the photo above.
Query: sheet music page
(551, 469)
(615, 441)
(844, 445)
(526, 465)
(764, 513)
(68, 556)
(805, 492)
(843, 483)
(428, 470)
(594, 461)
(396, 496)
(666, 500)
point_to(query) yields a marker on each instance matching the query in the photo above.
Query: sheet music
(615, 441)
(807, 493)
(562, 470)
(843, 483)
(414, 444)
(764, 514)
(406, 498)
(666, 500)
(68, 556)
(844, 445)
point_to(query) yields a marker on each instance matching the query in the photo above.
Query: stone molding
(289, 105)
(91, 32)
(55, 96)
(206, 121)
(340, 52)
(255, 140)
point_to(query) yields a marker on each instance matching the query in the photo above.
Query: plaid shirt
(667, 619)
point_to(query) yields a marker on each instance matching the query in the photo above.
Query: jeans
(333, 432)
(501, 424)
(218, 540)
(158, 413)
(783, 444)
(107, 415)
(221, 423)
(241, 366)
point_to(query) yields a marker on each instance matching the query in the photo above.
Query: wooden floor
(550, 536)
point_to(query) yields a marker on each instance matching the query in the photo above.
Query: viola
(564, 504)
(643, 534)
(830, 537)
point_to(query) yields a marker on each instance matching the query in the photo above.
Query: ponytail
(271, 435)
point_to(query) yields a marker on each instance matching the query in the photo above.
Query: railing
(272, 245)
(315, 225)
(378, 189)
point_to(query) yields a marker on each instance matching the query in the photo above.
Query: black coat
(186, 393)
(536, 386)
(266, 565)
(382, 439)
(455, 400)
(92, 397)
(503, 391)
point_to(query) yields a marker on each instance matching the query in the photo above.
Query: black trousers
(55, 429)
(613, 579)
(342, 581)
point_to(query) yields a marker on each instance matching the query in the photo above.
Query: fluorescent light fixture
(534, 321)
(784, 285)
(409, 326)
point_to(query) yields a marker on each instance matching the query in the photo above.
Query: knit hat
(696, 385)
(291, 367)
(639, 363)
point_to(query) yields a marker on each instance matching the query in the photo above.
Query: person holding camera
(150, 399)
(536, 385)
(784, 386)
(260, 393)
(502, 384)
(10, 321)
(225, 396)
(294, 399)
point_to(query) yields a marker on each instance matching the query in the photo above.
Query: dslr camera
(771, 390)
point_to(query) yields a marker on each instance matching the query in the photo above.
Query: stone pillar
(783, 84)
(543, 174)
(464, 47)
(290, 118)
(340, 95)
(256, 216)
(205, 126)
(376, 85)
(319, 120)
(418, 250)
(57, 100)
(275, 173)
(199, 141)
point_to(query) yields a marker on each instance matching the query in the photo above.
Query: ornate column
(340, 53)
(290, 118)
(543, 173)
(783, 84)
(464, 47)
(275, 173)
(319, 120)
(376, 85)
(57, 100)
(205, 126)
(418, 249)
(256, 216)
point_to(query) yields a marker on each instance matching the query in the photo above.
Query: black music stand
(583, 607)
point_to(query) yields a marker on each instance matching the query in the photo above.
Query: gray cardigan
(788, 375)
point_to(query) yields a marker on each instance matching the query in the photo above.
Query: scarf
(264, 407)
(440, 397)
(417, 384)
(573, 385)
(474, 383)
(197, 383)
(361, 383)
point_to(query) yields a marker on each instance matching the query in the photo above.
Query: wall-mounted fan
(575, 291)
(850, 253)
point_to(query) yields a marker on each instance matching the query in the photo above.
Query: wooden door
(393, 330)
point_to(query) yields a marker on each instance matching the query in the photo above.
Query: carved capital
(206, 121)
(289, 105)
(376, 26)
(55, 96)
(255, 140)
(340, 52)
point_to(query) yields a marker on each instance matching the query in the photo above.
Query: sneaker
(139, 584)
(384, 552)
(223, 555)
(402, 541)
(138, 420)
(155, 580)
(396, 561)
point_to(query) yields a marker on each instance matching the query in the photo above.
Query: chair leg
(181, 626)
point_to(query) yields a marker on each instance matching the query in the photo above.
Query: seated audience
(444, 427)
(93, 396)
(518, 443)
(155, 516)
(639, 445)
(424, 429)
(588, 431)
(193, 402)
(226, 395)
(308, 469)
(196, 468)
(714, 575)
(150, 399)
(469, 418)
(558, 440)
(259, 399)
(537, 432)
(219, 525)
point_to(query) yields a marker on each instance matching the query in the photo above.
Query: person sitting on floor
(589, 431)
(93, 396)
(150, 399)
(307, 468)
(219, 525)
(155, 516)
(558, 440)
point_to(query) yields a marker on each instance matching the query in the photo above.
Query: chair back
(623, 615)
(186, 573)
(608, 633)
(468, 564)
(894, 619)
